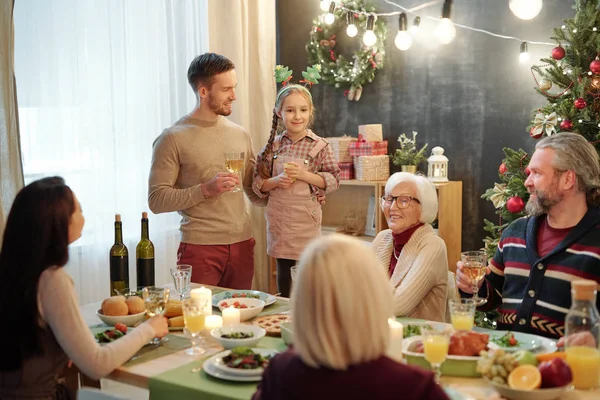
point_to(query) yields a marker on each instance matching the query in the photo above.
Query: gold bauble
(545, 84)
(595, 83)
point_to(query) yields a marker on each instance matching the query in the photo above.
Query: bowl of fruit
(519, 376)
(249, 308)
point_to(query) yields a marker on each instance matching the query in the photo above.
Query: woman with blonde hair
(410, 251)
(341, 303)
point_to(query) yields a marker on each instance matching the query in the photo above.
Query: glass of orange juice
(462, 314)
(436, 341)
(193, 318)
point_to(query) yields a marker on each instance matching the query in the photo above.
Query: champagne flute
(436, 341)
(156, 300)
(234, 162)
(194, 320)
(474, 263)
(182, 274)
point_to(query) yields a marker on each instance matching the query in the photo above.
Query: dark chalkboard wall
(472, 97)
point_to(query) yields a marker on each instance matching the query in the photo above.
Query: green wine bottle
(144, 253)
(119, 261)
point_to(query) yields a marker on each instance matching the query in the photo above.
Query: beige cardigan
(420, 279)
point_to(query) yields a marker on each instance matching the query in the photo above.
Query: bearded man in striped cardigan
(529, 278)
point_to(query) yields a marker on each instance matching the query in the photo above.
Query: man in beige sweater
(188, 175)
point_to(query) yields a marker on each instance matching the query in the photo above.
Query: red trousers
(229, 265)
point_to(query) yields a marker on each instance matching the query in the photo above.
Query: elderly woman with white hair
(410, 251)
(341, 332)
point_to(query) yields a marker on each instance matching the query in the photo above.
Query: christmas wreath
(336, 70)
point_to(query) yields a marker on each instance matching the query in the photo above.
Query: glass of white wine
(234, 162)
(194, 319)
(474, 263)
(156, 300)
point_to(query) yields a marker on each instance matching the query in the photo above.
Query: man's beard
(542, 203)
(218, 108)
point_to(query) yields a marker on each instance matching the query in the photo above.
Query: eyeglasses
(401, 201)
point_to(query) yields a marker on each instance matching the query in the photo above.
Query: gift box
(372, 168)
(370, 133)
(347, 171)
(357, 149)
(340, 146)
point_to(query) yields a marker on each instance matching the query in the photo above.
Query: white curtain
(11, 170)
(244, 31)
(97, 82)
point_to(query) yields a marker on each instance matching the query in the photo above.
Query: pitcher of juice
(582, 335)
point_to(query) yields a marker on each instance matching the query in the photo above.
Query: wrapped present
(370, 133)
(340, 146)
(368, 148)
(372, 168)
(347, 171)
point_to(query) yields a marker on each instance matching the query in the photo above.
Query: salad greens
(506, 340)
(237, 335)
(245, 358)
(411, 330)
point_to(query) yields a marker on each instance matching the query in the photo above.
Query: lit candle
(213, 321)
(394, 350)
(231, 316)
(203, 294)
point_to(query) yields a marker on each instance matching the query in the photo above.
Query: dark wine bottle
(144, 254)
(119, 261)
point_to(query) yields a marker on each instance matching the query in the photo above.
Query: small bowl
(129, 320)
(537, 394)
(286, 332)
(255, 306)
(259, 333)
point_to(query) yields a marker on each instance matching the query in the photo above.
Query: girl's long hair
(36, 238)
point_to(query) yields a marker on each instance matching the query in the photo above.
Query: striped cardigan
(533, 293)
(420, 279)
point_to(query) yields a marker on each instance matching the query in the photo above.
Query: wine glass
(182, 274)
(156, 300)
(194, 319)
(234, 162)
(474, 264)
(436, 341)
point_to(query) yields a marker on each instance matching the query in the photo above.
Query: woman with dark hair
(43, 327)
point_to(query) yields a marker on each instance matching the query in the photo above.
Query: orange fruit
(525, 377)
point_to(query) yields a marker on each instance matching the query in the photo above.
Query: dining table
(169, 372)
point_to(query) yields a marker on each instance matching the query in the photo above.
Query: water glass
(182, 274)
(194, 319)
(475, 263)
(155, 299)
(436, 341)
(462, 314)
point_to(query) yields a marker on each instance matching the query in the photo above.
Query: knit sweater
(189, 154)
(533, 293)
(420, 279)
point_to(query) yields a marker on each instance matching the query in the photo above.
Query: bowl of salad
(249, 308)
(238, 335)
(244, 361)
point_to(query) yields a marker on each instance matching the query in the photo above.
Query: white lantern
(437, 170)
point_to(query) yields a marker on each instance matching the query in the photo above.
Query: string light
(445, 30)
(330, 17)
(403, 39)
(524, 55)
(351, 30)
(525, 9)
(415, 26)
(324, 5)
(369, 38)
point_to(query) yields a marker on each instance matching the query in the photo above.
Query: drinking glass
(156, 300)
(234, 162)
(436, 340)
(182, 274)
(474, 263)
(462, 314)
(194, 319)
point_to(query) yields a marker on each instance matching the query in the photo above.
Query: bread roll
(122, 298)
(115, 307)
(176, 322)
(135, 304)
(173, 309)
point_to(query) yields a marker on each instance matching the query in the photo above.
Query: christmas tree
(570, 82)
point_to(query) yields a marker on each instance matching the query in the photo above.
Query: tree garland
(349, 75)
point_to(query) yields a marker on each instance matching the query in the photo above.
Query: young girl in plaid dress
(291, 170)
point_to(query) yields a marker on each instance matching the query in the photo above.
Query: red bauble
(558, 53)
(536, 135)
(595, 66)
(515, 204)
(502, 169)
(527, 171)
(580, 103)
(566, 125)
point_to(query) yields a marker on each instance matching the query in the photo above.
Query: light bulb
(329, 18)
(325, 5)
(352, 30)
(415, 26)
(369, 38)
(403, 40)
(445, 31)
(525, 9)
(523, 57)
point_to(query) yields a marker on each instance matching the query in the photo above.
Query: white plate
(228, 294)
(529, 342)
(217, 361)
(210, 369)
